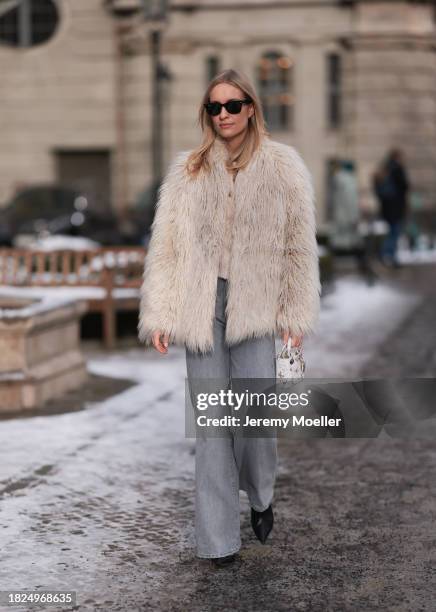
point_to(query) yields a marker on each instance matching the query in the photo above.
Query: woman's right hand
(160, 341)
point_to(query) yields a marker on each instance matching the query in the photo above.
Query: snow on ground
(76, 487)
(100, 488)
(65, 294)
(355, 318)
(55, 242)
(420, 256)
(61, 435)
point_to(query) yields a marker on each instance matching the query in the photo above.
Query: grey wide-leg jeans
(224, 465)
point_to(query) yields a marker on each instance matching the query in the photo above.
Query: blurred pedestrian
(232, 261)
(345, 203)
(345, 237)
(391, 186)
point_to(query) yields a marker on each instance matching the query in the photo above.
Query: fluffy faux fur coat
(273, 281)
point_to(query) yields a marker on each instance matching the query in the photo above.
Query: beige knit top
(223, 270)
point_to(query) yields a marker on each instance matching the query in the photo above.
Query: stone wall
(59, 95)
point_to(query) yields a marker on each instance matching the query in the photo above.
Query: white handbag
(290, 363)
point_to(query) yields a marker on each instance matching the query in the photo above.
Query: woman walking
(232, 262)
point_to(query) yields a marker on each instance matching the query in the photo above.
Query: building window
(24, 23)
(331, 164)
(334, 106)
(212, 67)
(275, 85)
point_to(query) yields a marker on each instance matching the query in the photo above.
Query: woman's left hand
(296, 340)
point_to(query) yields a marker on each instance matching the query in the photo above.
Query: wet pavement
(100, 499)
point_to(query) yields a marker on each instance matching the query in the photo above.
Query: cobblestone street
(100, 500)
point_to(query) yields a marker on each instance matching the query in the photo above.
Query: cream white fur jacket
(273, 282)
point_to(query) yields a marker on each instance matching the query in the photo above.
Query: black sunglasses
(232, 106)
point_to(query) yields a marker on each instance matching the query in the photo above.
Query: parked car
(45, 210)
(140, 216)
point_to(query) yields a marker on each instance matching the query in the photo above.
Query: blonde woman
(232, 263)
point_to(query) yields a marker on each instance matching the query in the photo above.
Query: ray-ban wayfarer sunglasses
(232, 106)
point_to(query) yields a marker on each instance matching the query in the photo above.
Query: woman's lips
(225, 125)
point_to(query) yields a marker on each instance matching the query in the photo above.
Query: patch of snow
(419, 256)
(64, 293)
(376, 227)
(43, 300)
(353, 322)
(58, 242)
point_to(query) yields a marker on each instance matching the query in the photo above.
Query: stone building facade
(339, 78)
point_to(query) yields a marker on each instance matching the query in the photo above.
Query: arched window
(24, 23)
(275, 85)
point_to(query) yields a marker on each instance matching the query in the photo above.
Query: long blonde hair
(256, 129)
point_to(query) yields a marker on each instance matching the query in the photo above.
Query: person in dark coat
(391, 186)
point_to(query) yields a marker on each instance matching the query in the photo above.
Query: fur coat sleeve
(300, 288)
(158, 299)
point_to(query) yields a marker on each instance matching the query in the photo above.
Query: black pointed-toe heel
(224, 561)
(262, 523)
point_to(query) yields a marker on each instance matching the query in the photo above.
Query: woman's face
(226, 125)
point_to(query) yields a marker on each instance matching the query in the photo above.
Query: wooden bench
(108, 278)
